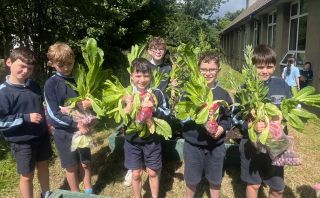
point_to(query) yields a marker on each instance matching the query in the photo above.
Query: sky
(230, 6)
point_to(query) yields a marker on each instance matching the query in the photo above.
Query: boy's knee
(153, 173)
(27, 176)
(136, 174)
(253, 186)
(72, 169)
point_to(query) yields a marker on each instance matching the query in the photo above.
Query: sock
(88, 191)
(45, 194)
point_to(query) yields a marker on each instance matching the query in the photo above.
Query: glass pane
(273, 37)
(300, 59)
(302, 33)
(303, 6)
(294, 9)
(270, 19)
(285, 59)
(275, 17)
(293, 34)
(270, 36)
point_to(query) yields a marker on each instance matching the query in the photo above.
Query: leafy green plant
(89, 82)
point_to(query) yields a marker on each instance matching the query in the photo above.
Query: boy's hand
(35, 118)
(82, 128)
(84, 105)
(128, 103)
(260, 126)
(218, 133)
(174, 83)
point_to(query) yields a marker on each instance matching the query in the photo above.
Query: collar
(135, 89)
(216, 84)
(27, 82)
(64, 76)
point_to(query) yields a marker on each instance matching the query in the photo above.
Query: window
(298, 30)
(271, 33)
(256, 33)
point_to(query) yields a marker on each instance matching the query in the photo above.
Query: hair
(141, 65)
(291, 60)
(60, 52)
(156, 42)
(24, 54)
(308, 63)
(263, 54)
(207, 57)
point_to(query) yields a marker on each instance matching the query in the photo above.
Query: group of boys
(23, 124)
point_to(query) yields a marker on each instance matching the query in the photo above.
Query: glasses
(157, 50)
(215, 70)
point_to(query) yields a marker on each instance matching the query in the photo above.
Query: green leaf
(162, 128)
(202, 116)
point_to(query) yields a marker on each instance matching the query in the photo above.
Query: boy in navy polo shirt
(256, 167)
(205, 152)
(144, 152)
(23, 124)
(56, 92)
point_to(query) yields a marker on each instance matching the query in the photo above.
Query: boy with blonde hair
(57, 91)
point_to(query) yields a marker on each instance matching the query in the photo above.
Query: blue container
(68, 194)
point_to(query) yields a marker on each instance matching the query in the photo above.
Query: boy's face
(157, 52)
(141, 80)
(209, 71)
(64, 68)
(265, 71)
(19, 71)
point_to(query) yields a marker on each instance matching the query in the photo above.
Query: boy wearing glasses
(204, 151)
(57, 91)
(256, 167)
(157, 49)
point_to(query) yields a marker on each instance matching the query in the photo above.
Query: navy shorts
(27, 154)
(140, 155)
(203, 160)
(257, 168)
(68, 159)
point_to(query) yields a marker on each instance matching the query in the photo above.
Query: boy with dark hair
(256, 167)
(23, 123)
(144, 152)
(204, 151)
(57, 91)
(157, 50)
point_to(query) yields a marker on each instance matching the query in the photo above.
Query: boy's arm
(9, 122)
(162, 111)
(52, 104)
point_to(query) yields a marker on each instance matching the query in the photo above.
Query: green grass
(108, 170)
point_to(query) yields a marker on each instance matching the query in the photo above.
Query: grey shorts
(203, 160)
(256, 167)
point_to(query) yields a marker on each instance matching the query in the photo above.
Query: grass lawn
(108, 170)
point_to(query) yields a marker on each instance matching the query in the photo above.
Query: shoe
(128, 178)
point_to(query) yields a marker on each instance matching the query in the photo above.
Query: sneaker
(46, 194)
(128, 178)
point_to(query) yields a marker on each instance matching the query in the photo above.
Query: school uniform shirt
(162, 112)
(16, 104)
(308, 75)
(278, 90)
(291, 78)
(56, 92)
(165, 68)
(196, 134)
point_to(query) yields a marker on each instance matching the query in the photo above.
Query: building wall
(312, 51)
(313, 40)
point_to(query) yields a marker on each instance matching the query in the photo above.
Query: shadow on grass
(168, 174)
(306, 191)
(109, 168)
